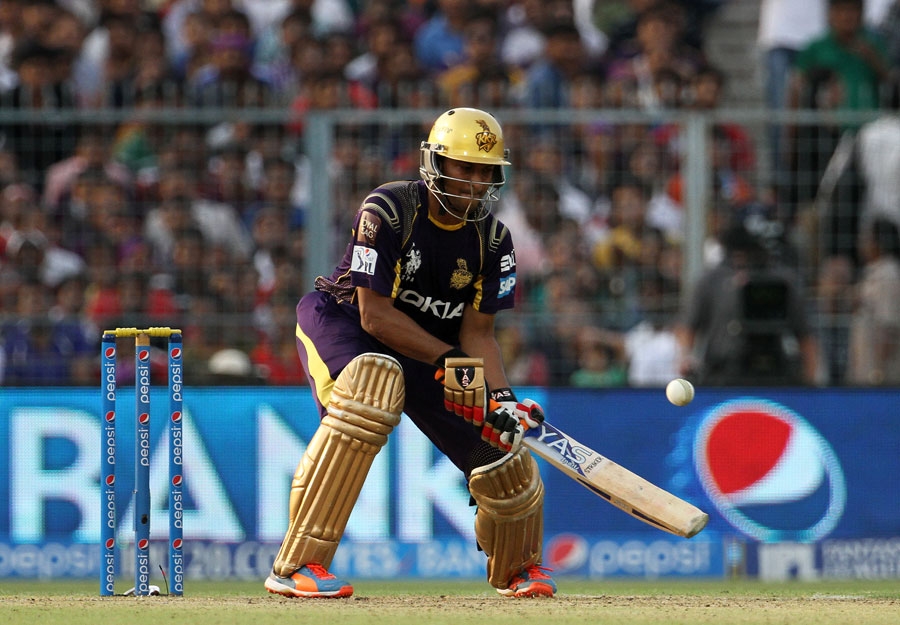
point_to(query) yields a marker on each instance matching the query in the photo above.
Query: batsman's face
(466, 183)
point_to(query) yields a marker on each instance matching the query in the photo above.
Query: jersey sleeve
(376, 251)
(498, 280)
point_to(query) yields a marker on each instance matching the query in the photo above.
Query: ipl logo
(769, 472)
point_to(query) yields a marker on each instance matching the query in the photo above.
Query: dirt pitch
(461, 603)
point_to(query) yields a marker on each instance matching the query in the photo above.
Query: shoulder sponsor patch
(507, 285)
(364, 259)
(368, 228)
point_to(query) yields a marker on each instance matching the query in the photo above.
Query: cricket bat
(619, 486)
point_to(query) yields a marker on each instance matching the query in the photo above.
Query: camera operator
(745, 324)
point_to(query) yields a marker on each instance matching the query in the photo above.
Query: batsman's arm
(396, 329)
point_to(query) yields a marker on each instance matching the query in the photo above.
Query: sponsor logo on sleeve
(507, 285)
(368, 228)
(364, 259)
(508, 262)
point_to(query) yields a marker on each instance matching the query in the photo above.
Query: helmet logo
(461, 275)
(485, 139)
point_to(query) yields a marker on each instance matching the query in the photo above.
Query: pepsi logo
(175, 352)
(109, 352)
(177, 543)
(566, 552)
(110, 480)
(110, 543)
(143, 544)
(176, 416)
(176, 480)
(770, 473)
(144, 418)
(144, 355)
(110, 416)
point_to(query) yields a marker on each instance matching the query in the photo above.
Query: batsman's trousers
(329, 335)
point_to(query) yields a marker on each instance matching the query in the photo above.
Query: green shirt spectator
(857, 56)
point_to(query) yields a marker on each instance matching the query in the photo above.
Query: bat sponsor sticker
(364, 259)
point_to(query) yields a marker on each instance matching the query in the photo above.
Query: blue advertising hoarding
(793, 479)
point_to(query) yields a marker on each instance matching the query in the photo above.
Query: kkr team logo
(485, 139)
(461, 275)
(769, 472)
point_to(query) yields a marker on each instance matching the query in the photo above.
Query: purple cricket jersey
(430, 270)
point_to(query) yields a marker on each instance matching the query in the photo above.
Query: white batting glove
(528, 412)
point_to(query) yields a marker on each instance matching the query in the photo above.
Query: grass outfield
(413, 602)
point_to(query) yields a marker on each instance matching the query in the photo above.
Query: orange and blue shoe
(531, 582)
(310, 580)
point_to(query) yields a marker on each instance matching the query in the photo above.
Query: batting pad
(509, 523)
(365, 405)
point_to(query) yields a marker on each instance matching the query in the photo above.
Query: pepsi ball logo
(110, 416)
(144, 418)
(109, 352)
(176, 416)
(144, 355)
(110, 543)
(176, 480)
(566, 552)
(769, 472)
(175, 352)
(176, 544)
(110, 480)
(143, 544)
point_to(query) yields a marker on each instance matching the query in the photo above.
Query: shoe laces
(532, 572)
(319, 571)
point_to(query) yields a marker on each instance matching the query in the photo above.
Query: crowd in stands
(126, 221)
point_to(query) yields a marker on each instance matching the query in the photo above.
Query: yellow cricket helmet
(470, 135)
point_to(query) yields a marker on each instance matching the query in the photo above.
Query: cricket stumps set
(142, 454)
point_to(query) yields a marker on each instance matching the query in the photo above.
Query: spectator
(226, 179)
(467, 83)
(877, 155)
(628, 218)
(276, 190)
(525, 365)
(834, 306)
(747, 322)
(875, 325)
(656, 49)
(523, 41)
(92, 152)
(180, 208)
(598, 366)
(785, 28)
(229, 79)
(855, 54)
(649, 348)
(549, 79)
(439, 42)
(39, 144)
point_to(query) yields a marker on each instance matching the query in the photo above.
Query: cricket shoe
(310, 580)
(530, 582)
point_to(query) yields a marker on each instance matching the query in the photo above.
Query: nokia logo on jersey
(438, 308)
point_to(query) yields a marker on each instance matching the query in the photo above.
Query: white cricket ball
(680, 392)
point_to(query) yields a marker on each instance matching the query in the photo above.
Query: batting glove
(528, 412)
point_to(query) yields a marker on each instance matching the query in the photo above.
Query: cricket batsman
(403, 324)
